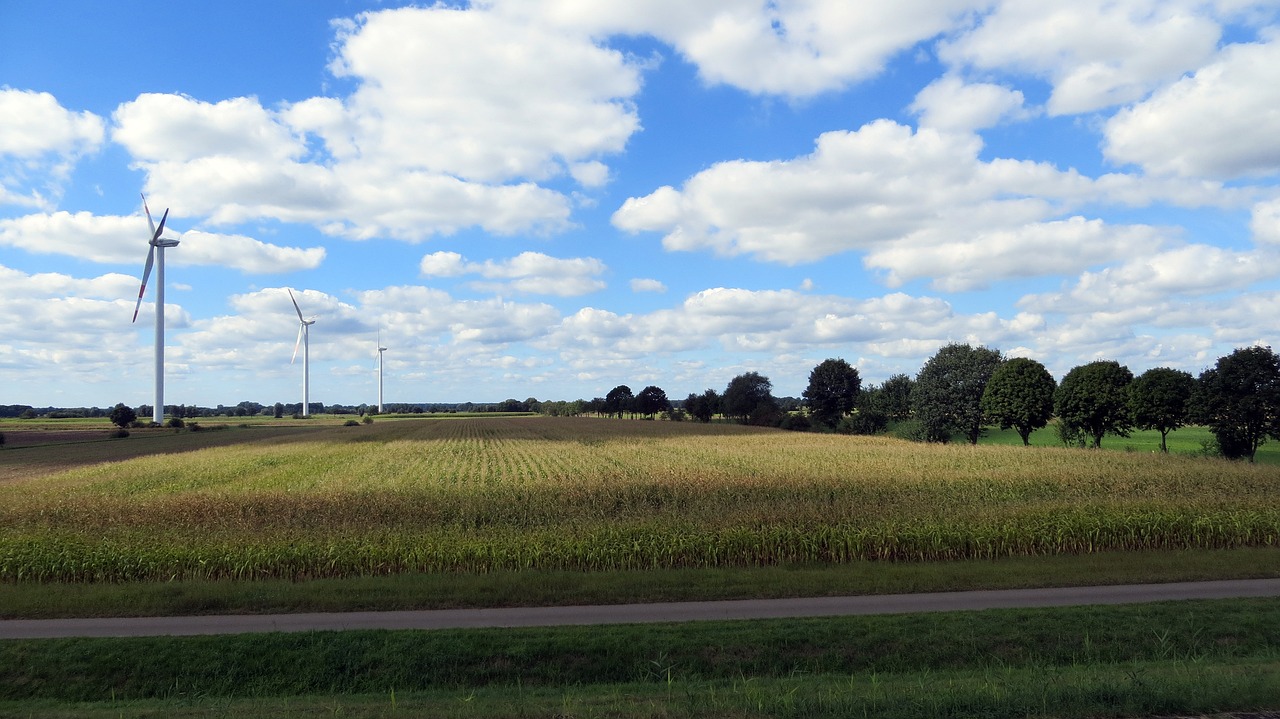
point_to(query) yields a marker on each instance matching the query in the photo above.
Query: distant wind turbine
(304, 337)
(156, 258)
(381, 349)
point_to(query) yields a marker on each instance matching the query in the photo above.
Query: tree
(704, 406)
(618, 400)
(833, 391)
(1019, 395)
(947, 396)
(749, 399)
(122, 416)
(895, 397)
(1160, 399)
(1093, 399)
(1239, 399)
(651, 401)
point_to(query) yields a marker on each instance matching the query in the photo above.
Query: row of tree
(963, 390)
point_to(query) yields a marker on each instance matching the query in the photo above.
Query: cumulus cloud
(409, 154)
(949, 103)
(115, 239)
(789, 49)
(527, 273)
(1095, 53)
(1182, 129)
(40, 144)
(920, 204)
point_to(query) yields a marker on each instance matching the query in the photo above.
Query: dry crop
(476, 495)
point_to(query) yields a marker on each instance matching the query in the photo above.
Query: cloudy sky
(549, 198)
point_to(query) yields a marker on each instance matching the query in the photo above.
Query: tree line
(963, 390)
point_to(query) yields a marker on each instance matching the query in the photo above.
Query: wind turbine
(156, 242)
(381, 349)
(304, 337)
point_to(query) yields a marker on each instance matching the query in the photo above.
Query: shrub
(120, 433)
(368, 420)
(1, 439)
(175, 423)
(351, 423)
(864, 421)
(795, 422)
(194, 427)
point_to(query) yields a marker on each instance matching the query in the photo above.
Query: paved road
(637, 613)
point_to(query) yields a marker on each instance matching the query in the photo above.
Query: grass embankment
(1137, 660)
(477, 496)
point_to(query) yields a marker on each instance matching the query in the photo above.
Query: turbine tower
(381, 349)
(156, 258)
(304, 337)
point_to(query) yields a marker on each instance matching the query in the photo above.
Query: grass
(1146, 659)
(1188, 441)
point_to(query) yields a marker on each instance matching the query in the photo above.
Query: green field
(447, 511)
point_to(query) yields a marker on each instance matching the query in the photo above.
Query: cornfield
(481, 495)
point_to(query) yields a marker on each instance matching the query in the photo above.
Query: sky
(549, 198)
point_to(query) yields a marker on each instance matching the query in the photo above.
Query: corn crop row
(71, 558)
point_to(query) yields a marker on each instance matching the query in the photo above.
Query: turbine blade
(296, 345)
(149, 220)
(155, 235)
(296, 308)
(146, 273)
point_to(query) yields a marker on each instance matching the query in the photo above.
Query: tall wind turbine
(156, 242)
(381, 349)
(304, 337)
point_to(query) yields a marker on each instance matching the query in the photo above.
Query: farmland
(476, 512)
(576, 494)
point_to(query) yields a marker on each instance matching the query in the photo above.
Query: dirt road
(638, 613)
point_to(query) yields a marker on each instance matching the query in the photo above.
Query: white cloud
(123, 240)
(920, 204)
(1183, 129)
(1266, 223)
(1096, 53)
(639, 284)
(527, 273)
(517, 101)
(794, 49)
(410, 153)
(949, 103)
(40, 141)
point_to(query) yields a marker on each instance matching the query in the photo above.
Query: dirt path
(638, 613)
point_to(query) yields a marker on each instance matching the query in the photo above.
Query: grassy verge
(534, 588)
(1137, 660)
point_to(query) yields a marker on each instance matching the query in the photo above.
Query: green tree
(651, 401)
(947, 396)
(618, 401)
(895, 397)
(702, 407)
(122, 416)
(1019, 395)
(1239, 399)
(833, 391)
(1160, 399)
(749, 399)
(1093, 400)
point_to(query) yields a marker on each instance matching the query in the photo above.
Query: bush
(351, 423)
(175, 423)
(864, 421)
(368, 420)
(194, 427)
(119, 433)
(1, 439)
(795, 422)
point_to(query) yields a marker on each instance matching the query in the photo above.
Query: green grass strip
(372, 662)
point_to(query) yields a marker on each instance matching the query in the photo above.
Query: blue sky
(549, 198)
